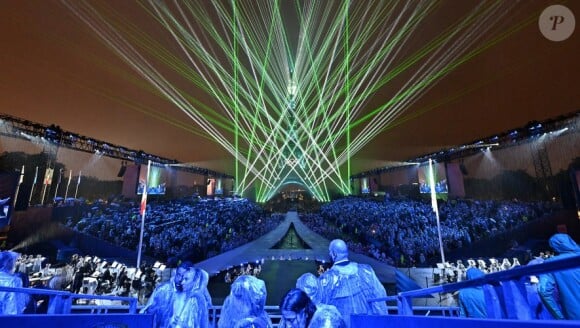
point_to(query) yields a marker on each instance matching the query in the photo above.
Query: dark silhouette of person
(297, 309)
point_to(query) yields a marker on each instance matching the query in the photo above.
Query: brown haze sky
(54, 70)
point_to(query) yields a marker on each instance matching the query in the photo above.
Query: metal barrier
(61, 302)
(272, 310)
(405, 303)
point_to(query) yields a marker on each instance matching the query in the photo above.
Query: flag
(142, 210)
(144, 195)
(48, 176)
(143, 201)
(79, 180)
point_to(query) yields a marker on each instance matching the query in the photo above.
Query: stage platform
(262, 249)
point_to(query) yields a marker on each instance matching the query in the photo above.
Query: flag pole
(33, 184)
(57, 185)
(67, 185)
(20, 180)
(46, 182)
(78, 183)
(143, 209)
(435, 208)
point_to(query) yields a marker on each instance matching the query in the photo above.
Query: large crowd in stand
(404, 232)
(183, 228)
(399, 232)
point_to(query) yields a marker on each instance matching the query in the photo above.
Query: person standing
(565, 284)
(247, 299)
(189, 306)
(472, 300)
(310, 285)
(10, 302)
(348, 285)
(179, 301)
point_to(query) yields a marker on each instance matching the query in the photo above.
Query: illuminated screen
(440, 178)
(157, 184)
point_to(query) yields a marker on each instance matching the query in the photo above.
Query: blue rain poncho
(327, 316)
(565, 284)
(247, 299)
(472, 299)
(310, 285)
(348, 286)
(174, 309)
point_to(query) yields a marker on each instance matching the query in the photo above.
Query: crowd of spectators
(404, 232)
(396, 231)
(399, 232)
(180, 228)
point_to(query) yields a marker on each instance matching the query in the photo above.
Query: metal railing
(405, 299)
(61, 302)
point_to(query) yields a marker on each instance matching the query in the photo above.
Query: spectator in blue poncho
(247, 299)
(310, 285)
(472, 299)
(10, 302)
(349, 285)
(566, 283)
(182, 300)
(531, 283)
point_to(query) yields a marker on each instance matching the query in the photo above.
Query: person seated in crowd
(247, 299)
(10, 302)
(404, 226)
(472, 300)
(297, 309)
(327, 316)
(349, 285)
(310, 285)
(564, 283)
(168, 300)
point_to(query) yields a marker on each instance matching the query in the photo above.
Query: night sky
(54, 70)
